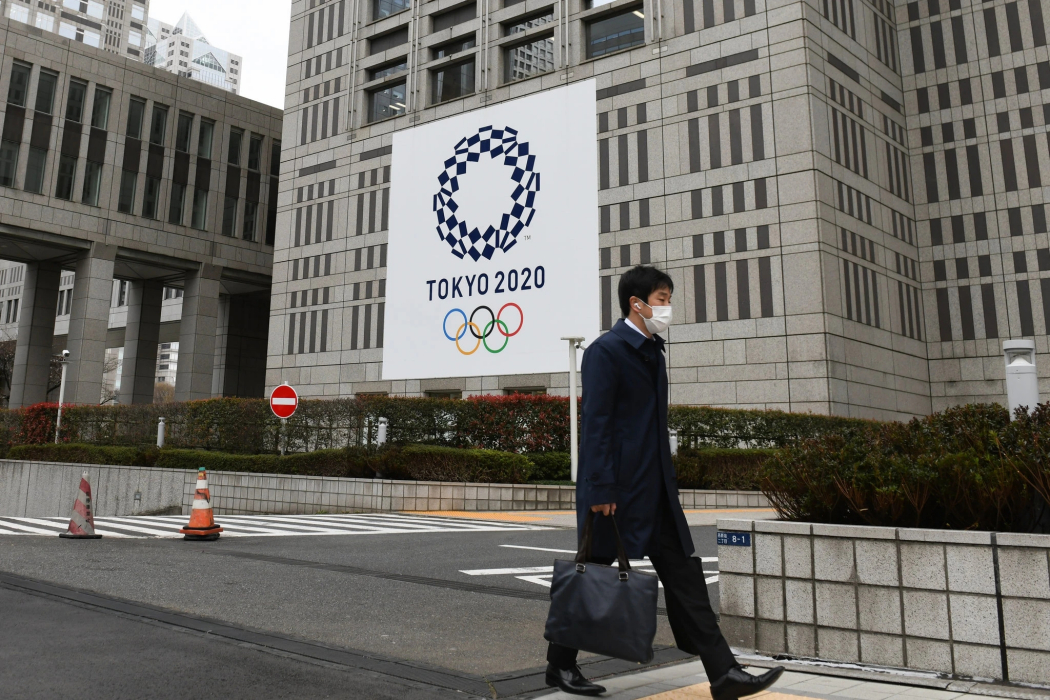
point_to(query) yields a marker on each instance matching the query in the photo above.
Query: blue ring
(458, 335)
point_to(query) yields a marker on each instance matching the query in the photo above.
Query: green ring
(485, 340)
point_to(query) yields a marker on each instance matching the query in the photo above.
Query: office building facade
(183, 49)
(114, 170)
(116, 26)
(849, 194)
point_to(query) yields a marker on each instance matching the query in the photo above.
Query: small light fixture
(639, 13)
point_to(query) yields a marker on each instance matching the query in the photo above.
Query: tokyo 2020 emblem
(481, 330)
(467, 240)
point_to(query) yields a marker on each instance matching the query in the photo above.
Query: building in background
(119, 181)
(183, 49)
(117, 26)
(850, 195)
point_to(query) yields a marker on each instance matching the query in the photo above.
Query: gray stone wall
(933, 600)
(39, 489)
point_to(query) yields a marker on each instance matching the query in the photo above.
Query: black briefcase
(607, 610)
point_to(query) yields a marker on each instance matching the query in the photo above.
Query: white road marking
(168, 526)
(539, 549)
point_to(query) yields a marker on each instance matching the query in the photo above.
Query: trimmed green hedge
(414, 462)
(522, 424)
(969, 467)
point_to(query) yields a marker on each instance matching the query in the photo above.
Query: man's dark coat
(625, 456)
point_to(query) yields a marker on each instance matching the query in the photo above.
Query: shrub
(703, 427)
(551, 466)
(721, 469)
(86, 454)
(969, 467)
(435, 463)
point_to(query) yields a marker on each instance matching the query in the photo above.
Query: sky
(259, 35)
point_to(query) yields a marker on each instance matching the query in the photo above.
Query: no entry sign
(283, 401)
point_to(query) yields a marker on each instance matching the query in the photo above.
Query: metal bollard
(160, 432)
(381, 433)
(673, 434)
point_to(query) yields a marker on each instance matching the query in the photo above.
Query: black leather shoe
(571, 681)
(738, 683)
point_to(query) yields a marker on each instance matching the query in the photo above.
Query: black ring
(492, 327)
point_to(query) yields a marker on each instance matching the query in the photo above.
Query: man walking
(625, 471)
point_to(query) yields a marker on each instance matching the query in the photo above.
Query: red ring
(500, 313)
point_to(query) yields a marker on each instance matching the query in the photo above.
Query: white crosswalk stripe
(147, 526)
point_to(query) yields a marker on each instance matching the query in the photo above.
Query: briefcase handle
(583, 554)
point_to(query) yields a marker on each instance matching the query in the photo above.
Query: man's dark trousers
(689, 610)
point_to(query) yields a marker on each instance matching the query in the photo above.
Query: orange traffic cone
(202, 523)
(82, 522)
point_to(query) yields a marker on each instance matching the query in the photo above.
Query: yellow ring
(477, 332)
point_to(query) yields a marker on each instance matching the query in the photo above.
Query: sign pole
(574, 451)
(283, 402)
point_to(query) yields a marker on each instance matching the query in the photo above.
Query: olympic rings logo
(495, 324)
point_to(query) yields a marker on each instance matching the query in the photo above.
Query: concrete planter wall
(39, 489)
(967, 604)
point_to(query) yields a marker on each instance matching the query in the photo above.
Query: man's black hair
(641, 281)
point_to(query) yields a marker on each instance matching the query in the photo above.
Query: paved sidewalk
(687, 681)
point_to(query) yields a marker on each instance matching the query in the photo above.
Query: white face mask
(660, 321)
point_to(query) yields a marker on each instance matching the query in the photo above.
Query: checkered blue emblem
(459, 234)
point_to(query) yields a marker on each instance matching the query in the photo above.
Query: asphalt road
(333, 616)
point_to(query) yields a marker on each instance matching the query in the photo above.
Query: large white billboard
(493, 248)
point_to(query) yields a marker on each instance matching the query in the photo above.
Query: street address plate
(734, 539)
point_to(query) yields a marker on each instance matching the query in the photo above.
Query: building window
(200, 209)
(159, 125)
(530, 23)
(385, 8)
(100, 108)
(126, 198)
(450, 18)
(18, 13)
(234, 155)
(35, 170)
(452, 82)
(138, 12)
(67, 173)
(183, 131)
(75, 103)
(177, 203)
(92, 183)
(615, 33)
(386, 102)
(388, 69)
(454, 47)
(8, 161)
(255, 152)
(251, 216)
(443, 394)
(275, 160)
(385, 42)
(527, 60)
(45, 91)
(45, 22)
(19, 87)
(136, 112)
(204, 138)
(151, 197)
(229, 216)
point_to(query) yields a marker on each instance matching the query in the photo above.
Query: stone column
(36, 334)
(138, 373)
(89, 324)
(200, 312)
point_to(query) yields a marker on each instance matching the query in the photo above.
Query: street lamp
(64, 361)
(574, 451)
